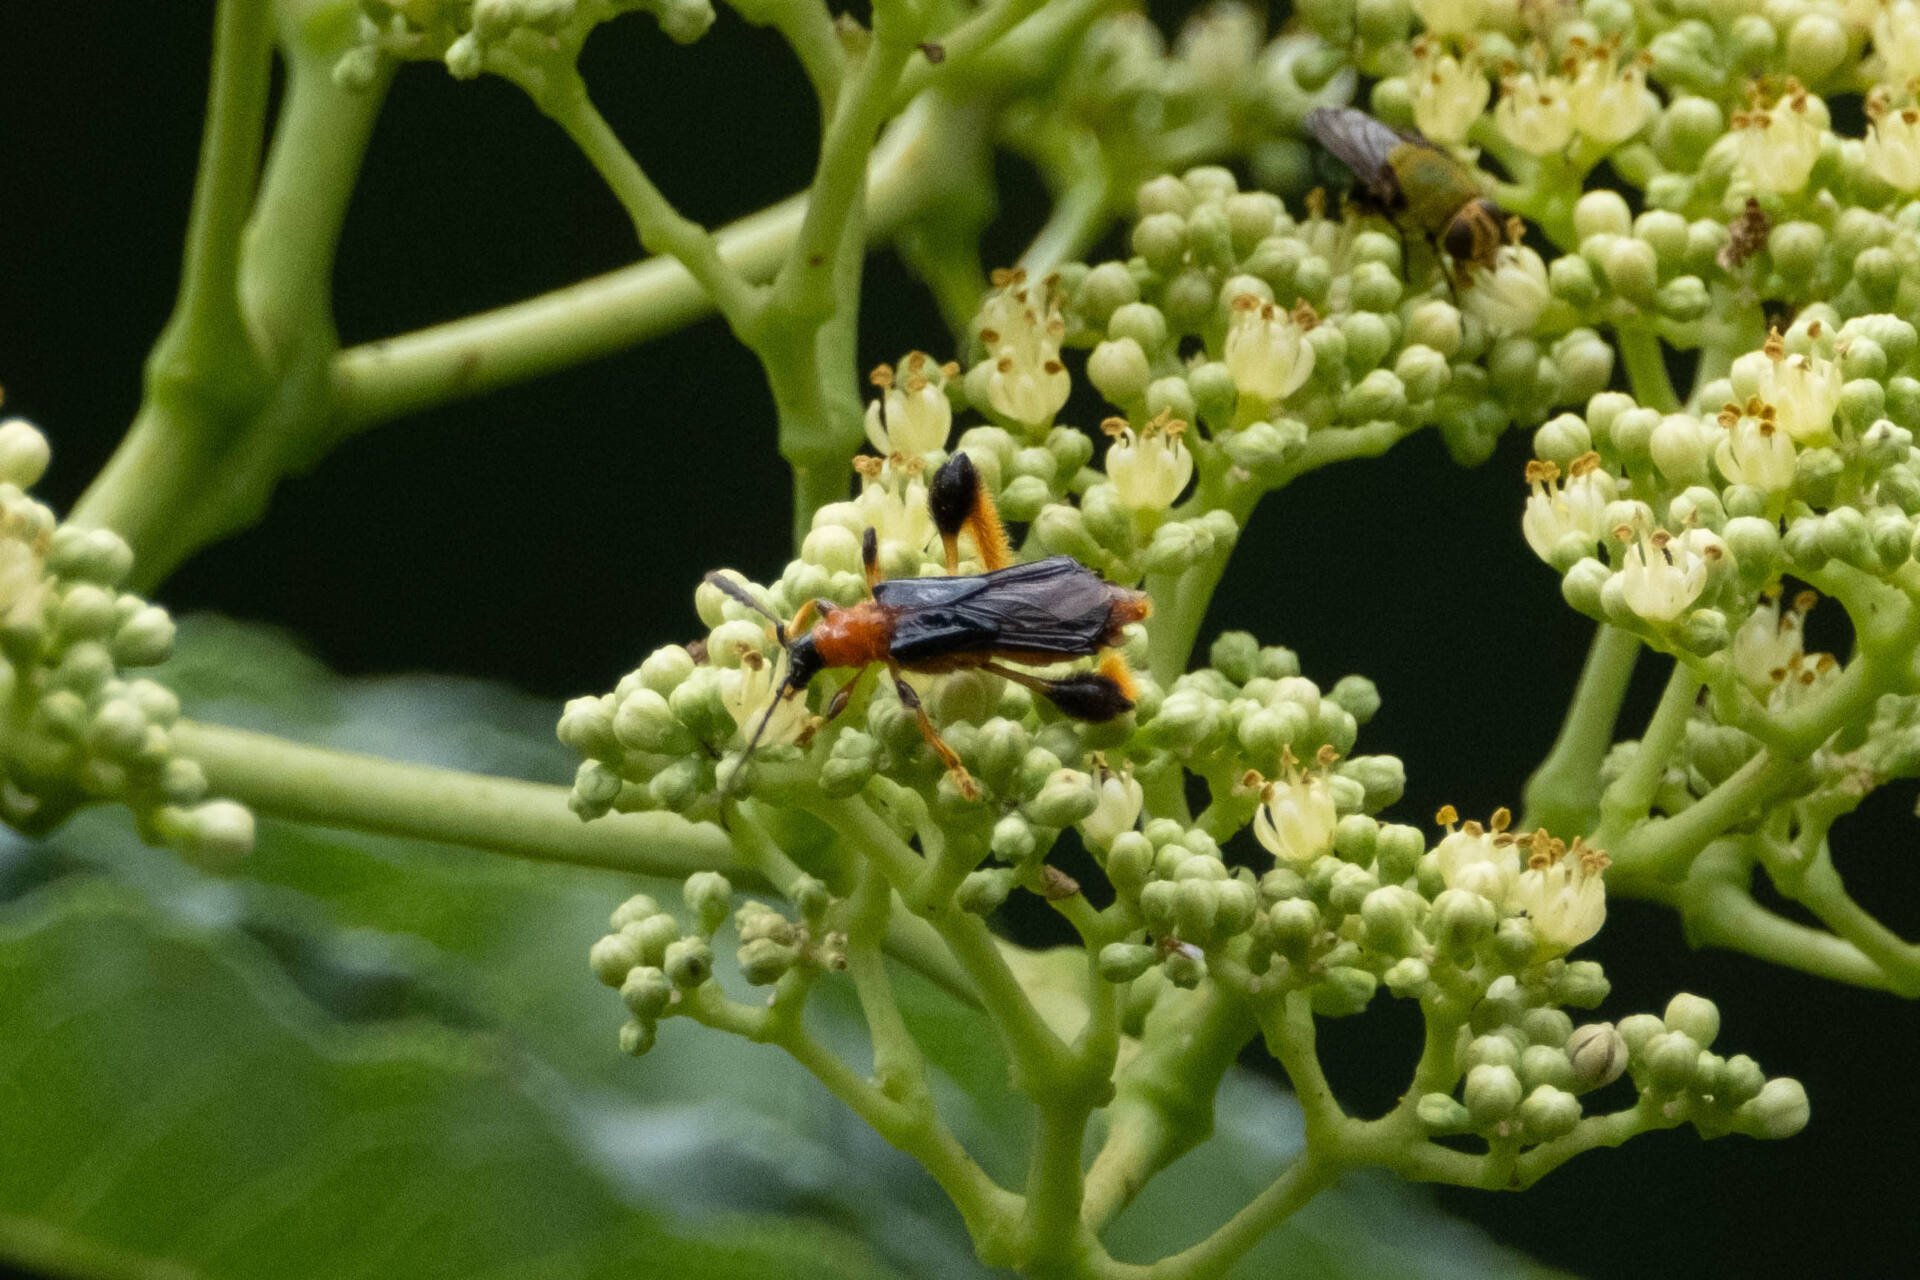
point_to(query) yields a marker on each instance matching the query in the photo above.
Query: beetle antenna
(780, 695)
(733, 589)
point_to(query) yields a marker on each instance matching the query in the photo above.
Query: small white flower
(1768, 645)
(1896, 43)
(1562, 892)
(1449, 93)
(1534, 113)
(1803, 390)
(1296, 818)
(1555, 510)
(1509, 298)
(748, 690)
(912, 416)
(1148, 468)
(1753, 449)
(1664, 574)
(1267, 353)
(1479, 859)
(894, 505)
(1893, 149)
(1121, 797)
(1804, 679)
(1608, 102)
(1021, 328)
(1778, 146)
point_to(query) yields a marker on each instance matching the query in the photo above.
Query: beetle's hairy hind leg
(911, 700)
(1093, 696)
(958, 501)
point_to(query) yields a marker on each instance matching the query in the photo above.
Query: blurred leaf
(385, 1057)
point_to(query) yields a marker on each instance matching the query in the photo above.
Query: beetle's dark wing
(1363, 144)
(1056, 605)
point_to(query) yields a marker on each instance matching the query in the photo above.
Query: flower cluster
(76, 730)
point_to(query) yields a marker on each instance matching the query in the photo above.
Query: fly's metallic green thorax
(1418, 184)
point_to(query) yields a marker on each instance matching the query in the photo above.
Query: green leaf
(384, 1057)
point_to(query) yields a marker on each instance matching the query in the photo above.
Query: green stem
(1717, 903)
(345, 790)
(898, 1066)
(1647, 368)
(1563, 794)
(1661, 849)
(379, 381)
(660, 227)
(1822, 892)
(1164, 1095)
(1631, 796)
(1304, 1179)
(215, 433)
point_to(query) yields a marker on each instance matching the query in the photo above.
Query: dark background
(548, 536)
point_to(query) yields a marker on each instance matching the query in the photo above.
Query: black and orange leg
(1094, 696)
(870, 558)
(911, 700)
(835, 705)
(959, 503)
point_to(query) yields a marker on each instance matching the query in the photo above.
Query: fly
(1417, 183)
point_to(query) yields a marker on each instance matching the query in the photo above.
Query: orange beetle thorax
(854, 637)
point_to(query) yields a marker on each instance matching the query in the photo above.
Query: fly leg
(911, 700)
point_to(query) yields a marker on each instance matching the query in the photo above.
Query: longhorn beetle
(1032, 614)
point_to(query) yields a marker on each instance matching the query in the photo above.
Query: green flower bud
(586, 727)
(1189, 299)
(1062, 531)
(1495, 1050)
(636, 1037)
(1233, 654)
(1441, 1113)
(24, 453)
(1398, 852)
(1355, 838)
(1196, 904)
(117, 730)
(1161, 239)
(1214, 393)
(145, 639)
(850, 764)
(89, 555)
(638, 907)
(1544, 1066)
(1067, 797)
(1125, 961)
(982, 892)
(698, 705)
(1120, 371)
(1704, 631)
(1570, 278)
(1631, 269)
(1547, 1025)
(1491, 1094)
(1210, 237)
(1128, 859)
(1461, 920)
(1186, 967)
(1581, 984)
(763, 961)
(1407, 977)
(1637, 1032)
(652, 936)
(688, 962)
(1683, 298)
(595, 787)
(1862, 403)
(1549, 1112)
(1755, 544)
(1891, 536)
(1687, 128)
(214, 836)
(1143, 322)
(1802, 544)
(1373, 287)
(1740, 1079)
(1694, 1015)
(1817, 47)
(1672, 1059)
(1843, 536)
(681, 783)
(710, 896)
(182, 781)
(1382, 779)
(85, 612)
(1014, 839)
(1329, 345)
(1343, 992)
(1102, 291)
(612, 957)
(1796, 248)
(62, 714)
(1560, 440)
(1170, 396)
(1380, 396)
(1023, 497)
(646, 992)
(1294, 923)
(644, 722)
(1251, 217)
(1437, 324)
(1601, 212)
(1392, 915)
(1780, 1110)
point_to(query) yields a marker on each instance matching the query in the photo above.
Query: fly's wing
(1363, 144)
(1056, 605)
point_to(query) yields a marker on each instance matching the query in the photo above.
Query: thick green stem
(1647, 368)
(219, 427)
(1563, 795)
